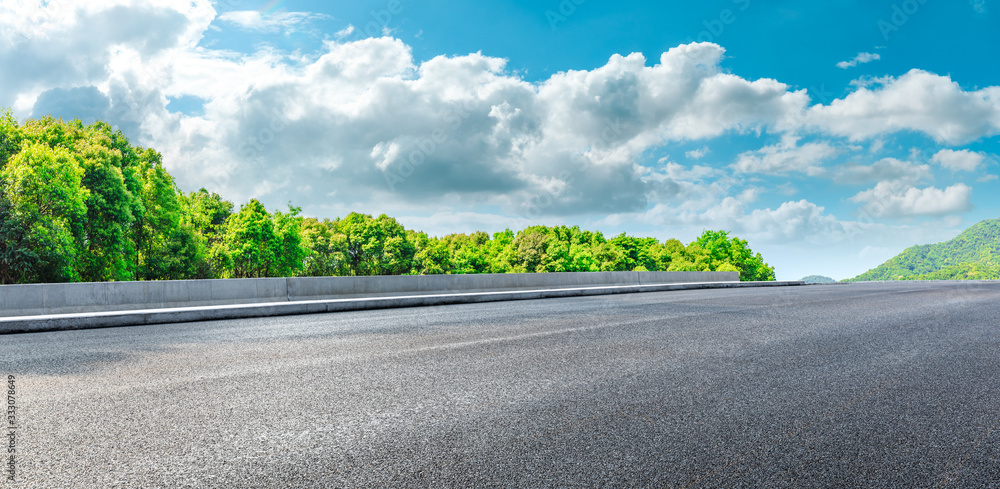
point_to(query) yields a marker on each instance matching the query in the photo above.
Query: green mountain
(818, 279)
(972, 255)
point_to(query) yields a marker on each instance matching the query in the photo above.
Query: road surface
(874, 385)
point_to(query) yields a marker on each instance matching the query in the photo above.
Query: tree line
(80, 203)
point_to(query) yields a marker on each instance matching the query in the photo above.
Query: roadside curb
(93, 320)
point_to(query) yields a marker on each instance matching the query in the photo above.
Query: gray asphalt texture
(867, 385)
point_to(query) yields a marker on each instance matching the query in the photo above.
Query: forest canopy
(972, 255)
(80, 203)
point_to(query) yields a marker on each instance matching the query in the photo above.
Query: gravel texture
(862, 385)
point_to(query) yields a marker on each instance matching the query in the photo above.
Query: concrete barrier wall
(30, 300)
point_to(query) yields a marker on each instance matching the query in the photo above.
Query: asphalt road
(873, 385)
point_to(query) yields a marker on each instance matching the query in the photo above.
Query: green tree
(530, 248)
(42, 188)
(582, 258)
(715, 248)
(432, 256)
(167, 242)
(110, 250)
(664, 255)
(206, 212)
(10, 137)
(610, 257)
(258, 244)
(82, 203)
(18, 260)
(250, 241)
(327, 249)
(501, 252)
(467, 252)
(376, 246)
(289, 254)
(394, 256)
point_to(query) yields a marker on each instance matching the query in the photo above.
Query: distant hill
(972, 255)
(818, 279)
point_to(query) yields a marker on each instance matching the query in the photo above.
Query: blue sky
(831, 135)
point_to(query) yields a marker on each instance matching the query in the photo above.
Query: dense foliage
(79, 203)
(972, 255)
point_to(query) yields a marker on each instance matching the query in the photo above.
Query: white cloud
(979, 5)
(347, 31)
(684, 97)
(793, 221)
(886, 169)
(697, 154)
(364, 126)
(691, 185)
(861, 58)
(963, 160)
(786, 157)
(63, 44)
(253, 20)
(790, 236)
(801, 220)
(367, 122)
(917, 101)
(898, 200)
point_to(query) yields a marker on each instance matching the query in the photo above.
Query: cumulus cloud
(363, 125)
(861, 58)
(799, 221)
(898, 200)
(886, 169)
(684, 97)
(69, 103)
(697, 154)
(786, 157)
(59, 45)
(917, 101)
(962, 160)
(676, 183)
